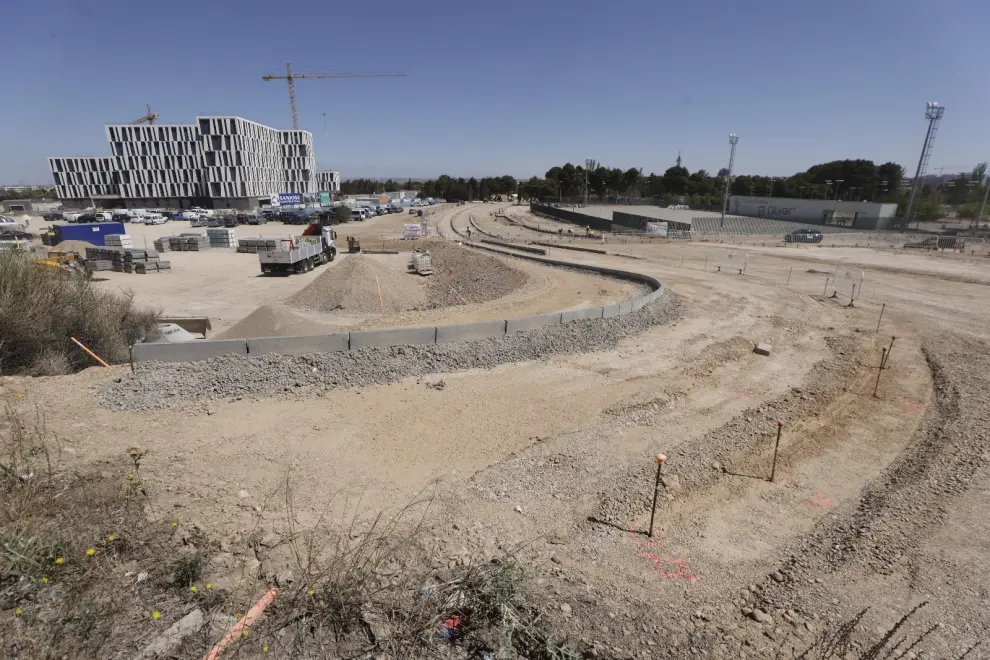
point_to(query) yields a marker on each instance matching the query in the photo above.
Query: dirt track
(560, 452)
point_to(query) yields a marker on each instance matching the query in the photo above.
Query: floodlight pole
(733, 141)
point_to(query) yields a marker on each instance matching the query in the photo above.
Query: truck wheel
(301, 267)
(333, 254)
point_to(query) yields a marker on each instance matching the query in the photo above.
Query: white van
(154, 219)
(358, 214)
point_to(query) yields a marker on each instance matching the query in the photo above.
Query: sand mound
(74, 246)
(274, 321)
(352, 287)
(476, 277)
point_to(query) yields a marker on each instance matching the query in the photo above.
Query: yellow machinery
(61, 260)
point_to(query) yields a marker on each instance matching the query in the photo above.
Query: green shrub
(40, 309)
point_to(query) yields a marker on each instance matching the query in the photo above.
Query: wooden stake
(656, 490)
(682, 261)
(706, 264)
(773, 469)
(94, 355)
(883, 307)
(883, 358)
(826, 287)
(788, 276)
(380, 301)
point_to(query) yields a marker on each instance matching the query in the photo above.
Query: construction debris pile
(125, 260)
(463, 276)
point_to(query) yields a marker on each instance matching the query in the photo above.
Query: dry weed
(40, 309)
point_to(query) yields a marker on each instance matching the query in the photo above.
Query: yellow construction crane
(150, 118)
(292, 85)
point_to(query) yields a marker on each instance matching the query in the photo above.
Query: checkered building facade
(224, 159)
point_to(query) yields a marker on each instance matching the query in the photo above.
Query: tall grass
(40, 309)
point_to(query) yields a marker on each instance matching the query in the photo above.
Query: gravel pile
(273, 321)
(352, 286)
(463, 276)
(159, 385)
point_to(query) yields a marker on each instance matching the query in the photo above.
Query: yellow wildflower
(192, 588)
(44, 580)
(111, 538)
(17, 612)
(209, 586)
(91, 552)
(155, 614)
(59, 560)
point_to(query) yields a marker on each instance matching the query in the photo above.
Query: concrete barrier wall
(468, 331)
(524, 248)
(512, 326)
(300, 344)
(393, 337)
(564, 246)
(581, 314)
(188, 351)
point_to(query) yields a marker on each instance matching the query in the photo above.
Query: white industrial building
(855, 215)
(218, 162)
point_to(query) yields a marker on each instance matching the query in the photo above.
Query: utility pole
(733, 141)
(983, 205)
(933, 113)
(838, 182)
(588, 165)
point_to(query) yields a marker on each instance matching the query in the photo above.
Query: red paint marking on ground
(912, 405)
(670, 568)
(819, 501)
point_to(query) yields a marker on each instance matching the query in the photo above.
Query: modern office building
(218, 162)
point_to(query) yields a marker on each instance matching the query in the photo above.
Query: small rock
(518, 509)
(760, 616)
(671, 482)
(777, 576)
(252, 568)
(170, 640)
(565, 608)
(142, 576)
(762, 349)
(270, 540)
(243, 494)
(284, 578)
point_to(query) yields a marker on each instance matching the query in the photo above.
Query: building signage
(286, 199)
(774, 211)
(324, 199)
(411, 231)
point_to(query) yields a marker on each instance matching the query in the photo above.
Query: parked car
(257, 219)
(14, 235)
(412, 211)
(804, 236)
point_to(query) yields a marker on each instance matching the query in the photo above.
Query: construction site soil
(363, 284)
(878, 501)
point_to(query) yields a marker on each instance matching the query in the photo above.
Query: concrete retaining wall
(512, 326)
(393, 337)
(467, 331)
(188, 351)
(564, 246)
(524, 248)
(581, 314)
(296, 345)
(299, 344)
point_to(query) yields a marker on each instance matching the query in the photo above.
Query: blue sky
(514, 86)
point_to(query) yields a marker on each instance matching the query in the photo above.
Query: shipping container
(91, 233)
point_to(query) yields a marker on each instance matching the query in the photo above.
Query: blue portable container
(91, 233)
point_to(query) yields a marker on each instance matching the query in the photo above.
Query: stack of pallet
(125, 260)
(256, 244)
(162, 244)
(94, 265)
(221, 237)
(118, 240)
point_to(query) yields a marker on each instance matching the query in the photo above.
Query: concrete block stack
(221, 237)
(119, 240)
(125, 260)
(254, 244)
(183, 243)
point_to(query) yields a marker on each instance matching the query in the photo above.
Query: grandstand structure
(743, 226)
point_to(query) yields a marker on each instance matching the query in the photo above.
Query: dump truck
(316, 246)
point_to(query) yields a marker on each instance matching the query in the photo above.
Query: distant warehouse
(854, 215)
(218, 162)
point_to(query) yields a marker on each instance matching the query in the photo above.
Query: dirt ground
(878, 501)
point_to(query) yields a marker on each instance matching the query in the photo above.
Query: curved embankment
(352, 341)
